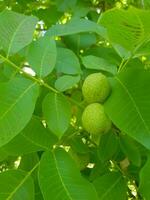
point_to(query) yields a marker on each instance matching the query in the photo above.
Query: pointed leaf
(93, 62)
(34, 137)
(111, 186)
(59, 177)
(16, 31)
(67, 62)
(17, 100)
(42, 56)
(16, 184)
(66, 82)
(57, 113)
(129, 104)
(76, 26)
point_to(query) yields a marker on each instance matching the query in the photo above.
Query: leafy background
(47, 48)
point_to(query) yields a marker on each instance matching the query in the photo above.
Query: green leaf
(49, 15)
(144, 49)
(81, 9)
(130, 149)
(27, 163)
(144, 180)
(93, 62)
(78, 145)
(66, 82)
(108, 146)
(111, 186)
(34, 137)
(129, 28)
(17, 99)
(129, 106)
(3, 155)
(122, 52)
(67, 62)
(59, 177)
(57, 112)
(64, 5)
(42, 56)
(80, 41)
(76, 26)
(16, 184)
(106, 53)
(16, 31)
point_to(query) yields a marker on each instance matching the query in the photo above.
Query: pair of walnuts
(96, 88)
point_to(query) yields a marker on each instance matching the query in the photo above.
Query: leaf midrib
(57, 168)
(42, 60)
(34, 143)
(14, 34)
(17, 100)
(113, 185)
(22, 182)
(57, 111)
(134, 103)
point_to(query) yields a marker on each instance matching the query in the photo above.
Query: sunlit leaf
(17, 99)
(16, 31)
(59, 177)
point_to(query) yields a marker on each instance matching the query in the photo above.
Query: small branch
(37, 80)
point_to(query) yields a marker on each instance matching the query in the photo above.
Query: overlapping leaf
(144, 180)
(111, 186)
(17, 99)
(93, 62)
(34, 137)
(60, 179)
(76, 26)
(66, 82)
(16, 184)
(128, 28)
(16, 31)
(67, 61)
(42, 56)
(57, 112)
(129, 104)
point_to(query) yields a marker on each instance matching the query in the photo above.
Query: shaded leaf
(15, 184)
(144, 180)
(130, 149)
(80, 41)
(111, 186)
(108, 146)
(64, 5)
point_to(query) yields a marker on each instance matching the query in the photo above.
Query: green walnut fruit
(96, 88)
(94, 119)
